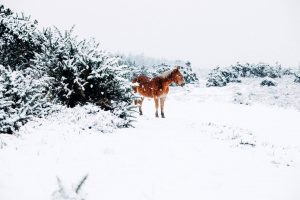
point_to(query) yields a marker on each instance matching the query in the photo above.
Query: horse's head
(177, 77)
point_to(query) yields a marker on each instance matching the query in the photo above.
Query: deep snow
(208, 147)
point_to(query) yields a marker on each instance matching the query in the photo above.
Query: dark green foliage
(22, 97)
(221, 77)
(81, 73)
(19, 40)
(268, 82)
(297, 76)
(39, 68)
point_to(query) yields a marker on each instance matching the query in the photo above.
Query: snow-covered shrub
(82, 73)
(297, 76)
(19, 39)
(221, 77)
(88, 118)
(257, 70)
(189, 75)
(22, 97)
(22, 91)
(268, 82)
(66, 193)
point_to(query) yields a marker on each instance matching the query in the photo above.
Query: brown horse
(157, 88)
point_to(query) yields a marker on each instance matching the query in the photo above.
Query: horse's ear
(176, 68)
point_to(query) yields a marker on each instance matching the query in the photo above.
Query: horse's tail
(135, 84)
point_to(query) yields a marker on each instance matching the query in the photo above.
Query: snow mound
(80, 119)
(286, 94)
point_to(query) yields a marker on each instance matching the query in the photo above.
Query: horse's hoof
(156, 115)
(162, 115)
(141, 113)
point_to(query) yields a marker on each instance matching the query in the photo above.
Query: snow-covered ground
(208, 147)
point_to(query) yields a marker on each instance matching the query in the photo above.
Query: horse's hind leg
(162, 103)
(140, 106)
(139, 102)
(156, 106)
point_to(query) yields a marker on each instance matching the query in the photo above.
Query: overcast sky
(209, 33)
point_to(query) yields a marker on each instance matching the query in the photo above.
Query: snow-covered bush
(297, 76)
(82, 73)
(221, 77)
(257, 70)
(268, 82)
(39, 67)
(19, 39)
(22, 97)
(66, 193)
(88, 118)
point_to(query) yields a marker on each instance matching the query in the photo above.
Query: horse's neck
(168, 80)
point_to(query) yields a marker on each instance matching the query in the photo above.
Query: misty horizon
(207, 33)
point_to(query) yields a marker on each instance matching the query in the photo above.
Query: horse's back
(141, 79)
(142, 85)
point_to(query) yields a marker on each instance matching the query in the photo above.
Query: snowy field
(235, 142)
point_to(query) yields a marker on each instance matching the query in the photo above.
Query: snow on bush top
(87, 118)
(221, 77)
(50, 66)
(268, 82)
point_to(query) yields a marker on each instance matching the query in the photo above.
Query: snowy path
(202, 150)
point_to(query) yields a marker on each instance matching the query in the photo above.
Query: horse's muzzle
(182, 84)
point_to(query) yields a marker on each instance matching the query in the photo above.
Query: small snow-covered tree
(82, 73)
(19, 39)
(22, 97)
(297, 77)
(68, 193)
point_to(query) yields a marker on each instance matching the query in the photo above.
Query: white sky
(209, 33)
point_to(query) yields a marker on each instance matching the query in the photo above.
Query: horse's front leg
(162, 103)
(156, 106)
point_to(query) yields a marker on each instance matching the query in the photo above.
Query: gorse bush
(268, 82)
(70, 193)
(19, 39)
(40, 68)
(221, 77)
(297, 75)
(22, 97)
(81, 73)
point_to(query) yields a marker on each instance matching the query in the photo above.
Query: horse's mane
(166, 74)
